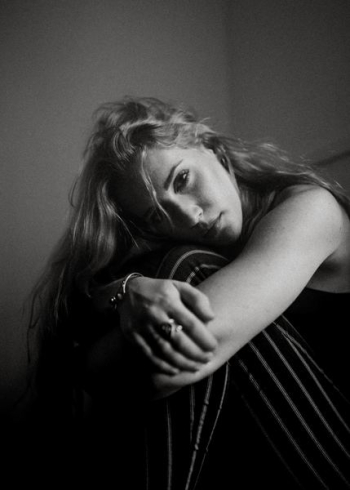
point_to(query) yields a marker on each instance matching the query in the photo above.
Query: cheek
(207, 193)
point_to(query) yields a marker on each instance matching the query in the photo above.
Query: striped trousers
(270, 417)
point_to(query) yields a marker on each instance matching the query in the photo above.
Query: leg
(270, 412)
(298, 420)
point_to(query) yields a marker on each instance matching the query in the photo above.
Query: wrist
(116, 300)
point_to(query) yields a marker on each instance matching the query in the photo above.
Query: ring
(170, 327)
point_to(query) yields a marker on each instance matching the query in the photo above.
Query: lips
(213, 228)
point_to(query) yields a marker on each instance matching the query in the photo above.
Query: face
(199, 196)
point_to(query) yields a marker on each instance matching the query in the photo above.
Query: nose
(185, 213)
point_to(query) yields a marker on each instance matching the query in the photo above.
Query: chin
(222, 245)
(228, 237)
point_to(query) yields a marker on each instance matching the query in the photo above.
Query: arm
(113, 364)
(283, 254)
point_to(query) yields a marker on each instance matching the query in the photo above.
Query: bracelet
(119, 296)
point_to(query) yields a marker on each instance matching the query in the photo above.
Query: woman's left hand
(168, 321)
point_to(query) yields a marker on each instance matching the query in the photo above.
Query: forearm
(283, 254)
(234, 325)
(246, 295)
(238, 319)
(111, 360)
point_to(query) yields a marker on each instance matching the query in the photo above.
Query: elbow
(164, 385)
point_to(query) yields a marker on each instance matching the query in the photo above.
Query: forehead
(160, 161)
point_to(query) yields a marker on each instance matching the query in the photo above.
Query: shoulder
(313, 203)
(306, 193)
(307, 215)
(325, 227)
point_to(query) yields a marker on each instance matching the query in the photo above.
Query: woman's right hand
(150, 303)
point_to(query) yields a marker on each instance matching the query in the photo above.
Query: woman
(155, 176)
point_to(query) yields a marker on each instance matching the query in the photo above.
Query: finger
(203, 340)
(194, 328)
(182, 343)
(159, 363)
(164, 349)
(195, 300)
(162, 355)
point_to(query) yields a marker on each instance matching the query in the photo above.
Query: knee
(190, 263)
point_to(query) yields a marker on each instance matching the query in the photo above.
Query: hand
(149, 303)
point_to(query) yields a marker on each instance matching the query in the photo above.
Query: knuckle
(191, 325)
(169, 290)
(180, 343)
(162, 343)
(165, 301)
(154, 314)
(165, 346)
(168, 296)
(168, 285)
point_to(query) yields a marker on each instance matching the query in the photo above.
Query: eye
(181, 180)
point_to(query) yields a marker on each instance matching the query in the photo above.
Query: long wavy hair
(99, 232)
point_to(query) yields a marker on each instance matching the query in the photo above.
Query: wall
(289, 72)
(60, 60)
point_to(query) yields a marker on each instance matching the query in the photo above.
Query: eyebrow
(166, 186)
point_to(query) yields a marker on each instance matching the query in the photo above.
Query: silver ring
(170, 327)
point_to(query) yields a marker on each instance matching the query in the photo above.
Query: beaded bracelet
(119, 296)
